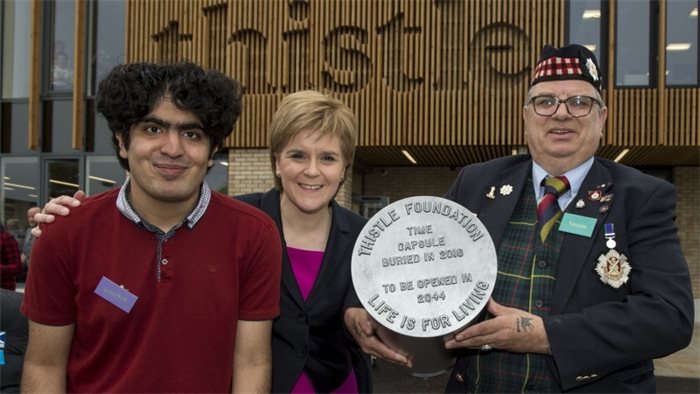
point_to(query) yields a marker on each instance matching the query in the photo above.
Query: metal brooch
(613, 268)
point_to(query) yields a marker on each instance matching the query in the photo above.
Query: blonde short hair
(312, 110)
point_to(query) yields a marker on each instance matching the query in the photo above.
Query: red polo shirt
(180, 334)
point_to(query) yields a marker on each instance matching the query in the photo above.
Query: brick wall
(687, 181)
(249, 171)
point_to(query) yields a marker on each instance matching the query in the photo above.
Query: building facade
(436, 84)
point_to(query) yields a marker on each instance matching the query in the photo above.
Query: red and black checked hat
(572, 61)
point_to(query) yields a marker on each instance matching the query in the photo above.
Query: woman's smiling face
(311, 168)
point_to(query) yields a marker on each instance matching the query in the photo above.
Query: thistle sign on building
(423, 267)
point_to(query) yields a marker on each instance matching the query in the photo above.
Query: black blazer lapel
(270, 203)
(496, 208)
(338, 242)
(575, 253)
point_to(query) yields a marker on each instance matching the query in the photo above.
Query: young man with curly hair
(163, 285)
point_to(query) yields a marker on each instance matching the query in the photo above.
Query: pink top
(306, 264)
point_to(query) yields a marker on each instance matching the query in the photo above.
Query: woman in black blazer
(312, 143)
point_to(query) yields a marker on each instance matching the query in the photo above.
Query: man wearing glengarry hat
(592, 283)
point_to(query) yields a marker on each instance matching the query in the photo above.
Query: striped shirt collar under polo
(191, 219)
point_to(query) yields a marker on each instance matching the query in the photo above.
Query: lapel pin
(607, 197)
(603, 208)
(580, 204)
(594, 195)
(506, 190)
(490, 194)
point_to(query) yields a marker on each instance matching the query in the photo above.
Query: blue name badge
(115, 294)
(577, 224)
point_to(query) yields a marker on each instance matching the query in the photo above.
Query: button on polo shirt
(164, 264)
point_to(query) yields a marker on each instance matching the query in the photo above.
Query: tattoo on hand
(358, 332)
(524, 324)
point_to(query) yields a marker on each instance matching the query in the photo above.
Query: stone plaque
(423, 267)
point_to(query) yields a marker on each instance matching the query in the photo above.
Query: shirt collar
(575, 177)
(191, 219)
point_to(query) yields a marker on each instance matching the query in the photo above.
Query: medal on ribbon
(613, 268)
(610, 235)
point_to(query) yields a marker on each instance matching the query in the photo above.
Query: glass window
(217, 177)
(62, 177)
(5, 121)
(61, 77)
(103, 136)
(98, 137)
(16, 22)
(103, 173)
(59, 116)
(20, 186)
(585, 27)
(633, 50)
(108, 49)
(682, 43)
(15, 118)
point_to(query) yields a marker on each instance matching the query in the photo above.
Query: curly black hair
(131, 91)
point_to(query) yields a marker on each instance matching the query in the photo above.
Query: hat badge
(592, 69)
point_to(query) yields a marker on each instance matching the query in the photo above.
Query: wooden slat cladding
(683, 116)
(438, 73)
(80, 43)
(443, 72)
(635, 117)
(34, 119)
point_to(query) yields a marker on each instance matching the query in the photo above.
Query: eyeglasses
(576, 106)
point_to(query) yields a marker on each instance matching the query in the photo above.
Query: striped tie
(548, 211)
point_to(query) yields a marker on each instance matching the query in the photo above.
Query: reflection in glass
(19, 185)
(16, 21)
(103, 173)
(633, 43)
(63, 177)
(62, 51)
(682, 43)
(108, 49)
(61, 126)
(102, 136)
(585, 21)
(18, 121)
